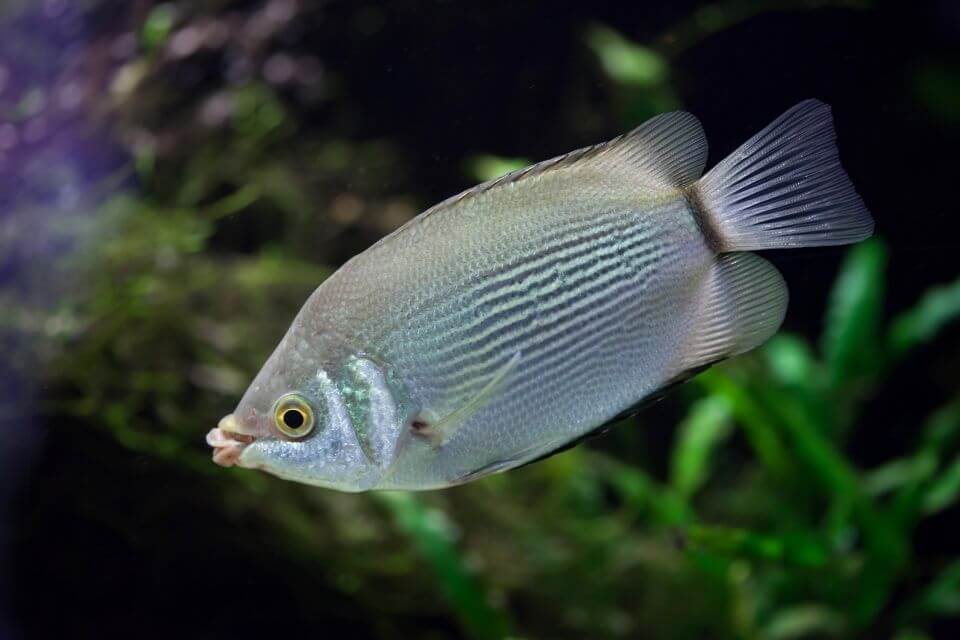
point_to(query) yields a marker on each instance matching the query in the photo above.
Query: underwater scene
(434, 319)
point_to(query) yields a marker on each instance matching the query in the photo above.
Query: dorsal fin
(668, 150)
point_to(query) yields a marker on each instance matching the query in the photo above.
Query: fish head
(293, 421)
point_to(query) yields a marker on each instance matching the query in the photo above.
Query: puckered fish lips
(228, 441)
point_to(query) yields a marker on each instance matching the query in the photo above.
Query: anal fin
(742, 305)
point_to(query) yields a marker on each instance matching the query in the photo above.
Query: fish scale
(517, 317)
(586, 279)
(593, 328)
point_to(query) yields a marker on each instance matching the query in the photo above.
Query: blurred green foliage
(761, 527)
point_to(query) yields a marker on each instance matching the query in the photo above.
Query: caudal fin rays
(783, 188)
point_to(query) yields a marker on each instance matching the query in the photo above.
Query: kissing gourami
(514, 319)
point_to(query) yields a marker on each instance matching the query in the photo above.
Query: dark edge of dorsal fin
(675, 141)
(668, 150)
(565, 160)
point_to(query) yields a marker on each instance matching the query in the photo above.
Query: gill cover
(355, 423)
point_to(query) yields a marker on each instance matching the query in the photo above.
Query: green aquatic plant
(797, 410)
(740, 507)
(797, 541)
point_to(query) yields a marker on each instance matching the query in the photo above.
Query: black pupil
(293, 418)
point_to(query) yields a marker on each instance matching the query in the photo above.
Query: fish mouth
(228, 441)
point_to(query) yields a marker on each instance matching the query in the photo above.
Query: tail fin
(783, 188)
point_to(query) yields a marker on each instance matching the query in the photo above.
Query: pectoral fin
(441, 431)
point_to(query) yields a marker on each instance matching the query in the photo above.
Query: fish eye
(293, 415)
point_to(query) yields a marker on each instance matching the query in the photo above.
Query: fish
(513, 320)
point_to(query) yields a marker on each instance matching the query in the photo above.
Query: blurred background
(176, 178)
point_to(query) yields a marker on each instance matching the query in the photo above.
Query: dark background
(116, 528)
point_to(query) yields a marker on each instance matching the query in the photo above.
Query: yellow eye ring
(293, 415)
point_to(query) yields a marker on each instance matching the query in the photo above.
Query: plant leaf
(939, 434)
(706, 426)
(945, 489)
(798, 549)
(791, 360)
(940, 598)
(938, 307)
(755, 422)
(158, 25)
(804, 621)
(898, 473)
(489, 167)
(430, 531)
(627, 62)
(642, 493)
(851, 337)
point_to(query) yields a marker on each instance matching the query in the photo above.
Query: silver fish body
(519, 316)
